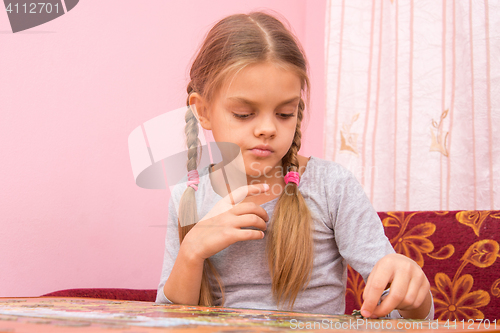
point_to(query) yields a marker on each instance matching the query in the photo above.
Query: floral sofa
(457, 250)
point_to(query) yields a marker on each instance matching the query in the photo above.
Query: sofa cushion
(146, 295)
(457, 250)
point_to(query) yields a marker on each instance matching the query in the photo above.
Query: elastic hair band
(292, 176)
(193, 179)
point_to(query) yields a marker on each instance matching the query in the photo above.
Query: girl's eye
(241, 115)
(248, 115)
(286, 115)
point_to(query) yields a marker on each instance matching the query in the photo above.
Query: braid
(192, 141)
(290, 161)
(188, 214)
(289, 242)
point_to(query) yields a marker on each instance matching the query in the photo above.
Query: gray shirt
(347, 230)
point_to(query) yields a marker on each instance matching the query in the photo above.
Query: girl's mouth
(261, 152)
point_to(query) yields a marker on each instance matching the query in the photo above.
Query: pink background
(71, 91)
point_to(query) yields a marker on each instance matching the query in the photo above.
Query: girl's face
(257, 110)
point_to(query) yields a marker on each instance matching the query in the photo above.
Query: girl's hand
(409, 289)
(222, 226)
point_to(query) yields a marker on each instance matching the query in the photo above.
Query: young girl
(287, 244)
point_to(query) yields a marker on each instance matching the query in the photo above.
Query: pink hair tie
(292, 176)
(193, 179)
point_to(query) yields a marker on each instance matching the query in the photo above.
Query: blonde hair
(233, 43)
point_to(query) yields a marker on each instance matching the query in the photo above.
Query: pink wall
(71, 91)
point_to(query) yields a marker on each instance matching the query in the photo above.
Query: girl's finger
(250, 221)
(422, 293)
(411, 294)
(250, 208)
(249, 234)
(256, 189)
(242, 192)
(399, 289)
(374, 288)
(234, 199)
(417, 292)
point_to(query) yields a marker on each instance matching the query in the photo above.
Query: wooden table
(53, 314)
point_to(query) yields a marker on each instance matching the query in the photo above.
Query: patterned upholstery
(458, 252)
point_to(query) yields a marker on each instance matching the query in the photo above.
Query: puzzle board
(96, 315)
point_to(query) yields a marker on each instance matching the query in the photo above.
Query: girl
(286, 245)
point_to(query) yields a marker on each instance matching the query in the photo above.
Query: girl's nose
(265, 127)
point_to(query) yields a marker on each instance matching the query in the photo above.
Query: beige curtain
(413, 101)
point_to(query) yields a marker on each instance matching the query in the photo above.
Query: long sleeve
(358, 230)
(171, 250)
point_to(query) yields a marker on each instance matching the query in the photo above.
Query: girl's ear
(200, 110)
